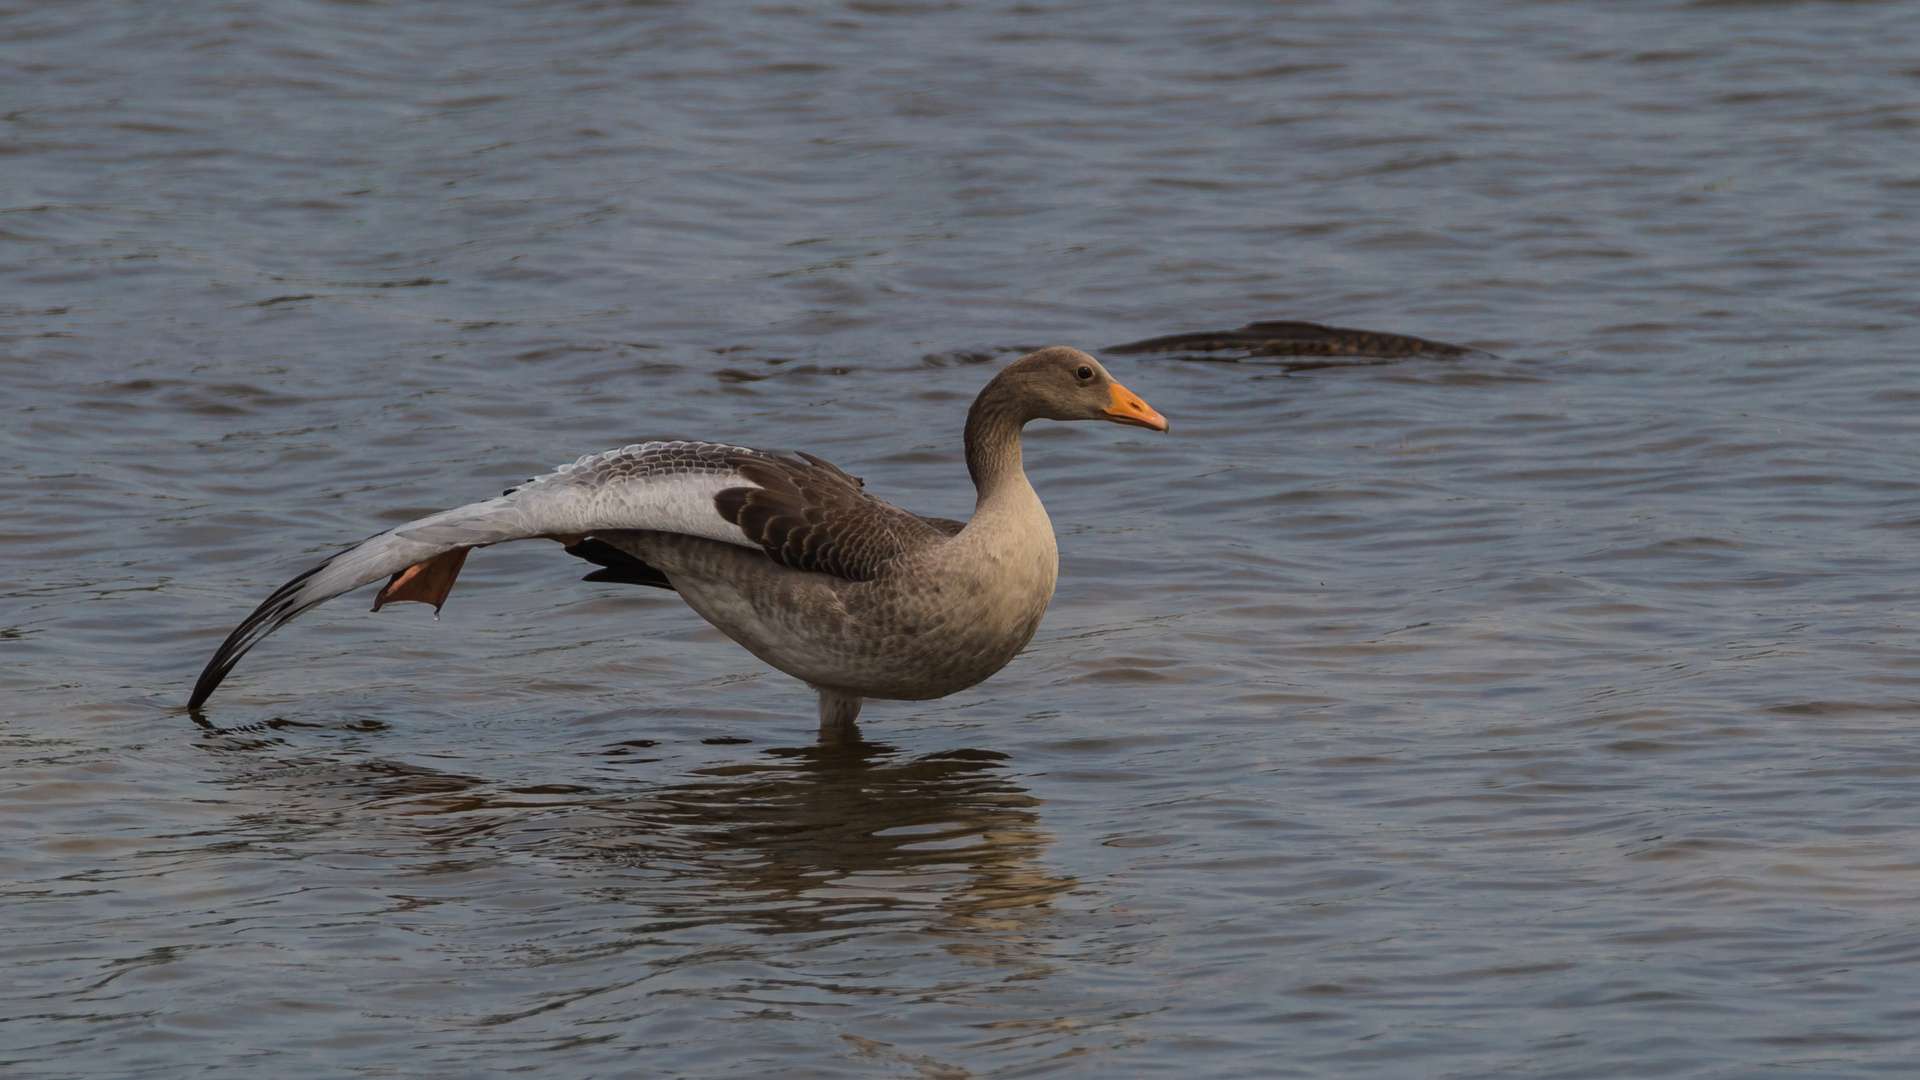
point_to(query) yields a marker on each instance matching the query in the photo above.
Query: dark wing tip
(226, 656)
(272, 613)
(210, 677)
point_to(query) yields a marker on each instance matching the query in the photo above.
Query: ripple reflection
(797, 840)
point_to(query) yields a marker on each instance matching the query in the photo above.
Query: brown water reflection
(829, 833)
(806, 838)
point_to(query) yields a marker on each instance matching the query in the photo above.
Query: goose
(787, 555)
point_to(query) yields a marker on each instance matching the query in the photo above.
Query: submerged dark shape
(1335, 345)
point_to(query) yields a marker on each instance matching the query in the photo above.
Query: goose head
(1059, 383)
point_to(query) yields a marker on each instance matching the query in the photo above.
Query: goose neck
(993, 447)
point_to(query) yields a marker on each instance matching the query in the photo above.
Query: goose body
(789, 556)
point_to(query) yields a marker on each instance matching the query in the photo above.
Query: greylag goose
(788, 556)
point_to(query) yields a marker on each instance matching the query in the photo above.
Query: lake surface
(1550, 715)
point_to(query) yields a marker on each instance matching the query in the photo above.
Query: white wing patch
(665, 487)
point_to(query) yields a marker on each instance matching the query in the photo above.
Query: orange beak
(1127, 408)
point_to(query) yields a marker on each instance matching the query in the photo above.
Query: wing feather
(662, 486)
(810, 515)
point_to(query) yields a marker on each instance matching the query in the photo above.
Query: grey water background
(1551, 715)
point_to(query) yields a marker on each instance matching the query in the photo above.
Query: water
(1548, 716)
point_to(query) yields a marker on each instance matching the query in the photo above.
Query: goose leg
(837, 714)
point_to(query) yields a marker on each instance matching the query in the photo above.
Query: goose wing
(663, 486)
(809, 515)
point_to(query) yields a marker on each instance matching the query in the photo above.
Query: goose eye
(1085, 373)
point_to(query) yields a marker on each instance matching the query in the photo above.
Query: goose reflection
(826, 835)
(797, 839)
